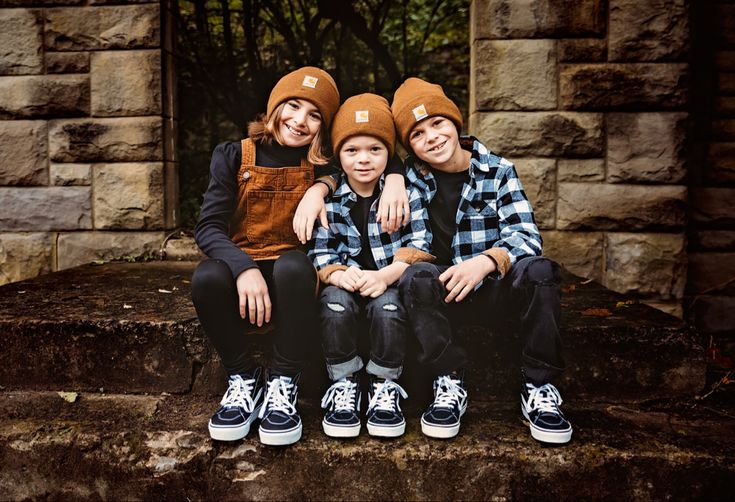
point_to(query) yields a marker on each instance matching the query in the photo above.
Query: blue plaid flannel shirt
(493, 210)
(340, 242)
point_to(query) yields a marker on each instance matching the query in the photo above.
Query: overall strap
(248, 153)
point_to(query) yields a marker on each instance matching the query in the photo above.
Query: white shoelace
(545, 398)
(342, 393)
(239, 393)
(384, 396)
(277, 397)
(448, 392)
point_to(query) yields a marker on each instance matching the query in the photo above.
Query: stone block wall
(87, 129)
(590, 100)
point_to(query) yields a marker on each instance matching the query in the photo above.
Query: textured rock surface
(21, 42)
(128, 196)
(183, 248)
(711, 273)
(94, 28)
(44, 96)
(713, 240)
(596, 206)
(714, 314)
(713, 206)
(513, 75)
(23, 152)
(578, 252)
(538, 177)
(71, 174)
(721, 161)
(67, 62)
(537, 18)
(642, 263)
(53, 208)
(24, 255)
(646, 147)
(581, 170)
(582, 50)
(653, 30)
(79, 248)
(126, 83)
(112, 139)
(623, 86)
(518, 134)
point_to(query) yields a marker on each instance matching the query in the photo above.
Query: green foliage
(231, 52)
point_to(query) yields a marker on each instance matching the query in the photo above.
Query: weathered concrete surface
(131, 327)
(157, 447)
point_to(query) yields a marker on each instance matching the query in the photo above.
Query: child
(360, 263)
(256, 266)
(488, 264)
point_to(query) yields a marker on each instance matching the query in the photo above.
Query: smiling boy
(488, 266)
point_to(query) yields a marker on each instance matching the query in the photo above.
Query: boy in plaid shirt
(488, 260)
(360, 264)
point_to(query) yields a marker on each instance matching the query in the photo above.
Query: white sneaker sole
(283, 438)
(337, 431)
(545, 435)
(382, 431)
(220, 433)
(442, 432)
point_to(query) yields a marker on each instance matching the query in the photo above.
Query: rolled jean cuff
(539, 372)
(341, 370)
(383, 372)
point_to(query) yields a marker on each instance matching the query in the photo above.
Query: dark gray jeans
(341, 316)
(526, 299)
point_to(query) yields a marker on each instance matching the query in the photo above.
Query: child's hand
(252, 292)
(347, 279)
(462, 278)
(372, 284)
(393, 209)
(309, 210)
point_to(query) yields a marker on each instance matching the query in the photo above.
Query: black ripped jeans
(291, 281)
(527, 298)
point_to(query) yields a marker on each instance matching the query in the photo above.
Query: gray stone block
(598, 206)
(21, 42)
(44, 96)
(128, 196)
(582, 50)
(23, 152)
(654, 30)
(78, 248)
(24, 255)
(71, 174)
(578, 252)
(713, 206)
(581, 170)
(538, 177)
(67, 62)
(52, 208)
(106, 139)
(126, 83)
(721, 161)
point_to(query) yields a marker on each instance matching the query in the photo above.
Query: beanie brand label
(362, 116)
(310, 82)
(420, 112)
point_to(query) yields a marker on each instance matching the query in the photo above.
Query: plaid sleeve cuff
(501, 258)
(412, 255)
(325, 272)
(329, 181)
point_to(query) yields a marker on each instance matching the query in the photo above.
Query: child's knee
(336, 302)
(420, 284)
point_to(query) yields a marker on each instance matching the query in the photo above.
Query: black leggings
(292, 283)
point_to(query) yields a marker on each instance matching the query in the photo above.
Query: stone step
(131, 328)
(133, 447)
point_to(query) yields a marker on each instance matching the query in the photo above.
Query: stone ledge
(150, 447)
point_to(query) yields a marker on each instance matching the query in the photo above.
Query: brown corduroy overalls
(266, 203)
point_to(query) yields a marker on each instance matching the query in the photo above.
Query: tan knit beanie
(367, 114)
(416, 100)
(311, 83)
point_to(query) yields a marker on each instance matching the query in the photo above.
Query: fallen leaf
(21, 292)
(164, 291)
(175, 288)
(185, 281)
(597, 312)
(569, 289)
(126, 306)
(69, 397)
(586, 281)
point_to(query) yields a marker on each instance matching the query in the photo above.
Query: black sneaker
(384, 415)
(239, 407)
(540, 406)
(441, 419)
(280, 422)
(342, 402)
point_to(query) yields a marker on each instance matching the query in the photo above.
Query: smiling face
(363, 159)
(299, 122)
(435, 140)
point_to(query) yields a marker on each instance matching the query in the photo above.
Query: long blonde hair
(265, 129)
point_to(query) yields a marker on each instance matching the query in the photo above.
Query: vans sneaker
(342, 402)
(239, 407)
(540, 406)
(280, 423)
(384, 415)
(441, 419)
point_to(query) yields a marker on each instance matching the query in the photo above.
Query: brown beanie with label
(416, 100)
(310, 83)
(365, 114)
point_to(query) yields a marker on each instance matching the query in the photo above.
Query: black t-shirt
(443, 212)
(359, 213)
